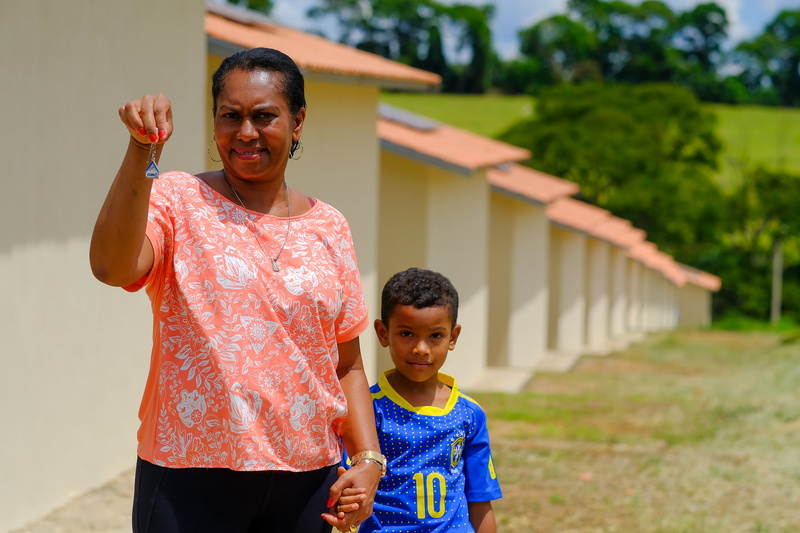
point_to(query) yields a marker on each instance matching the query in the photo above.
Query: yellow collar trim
(427, 410)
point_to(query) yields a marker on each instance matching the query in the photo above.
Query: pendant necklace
(273, 260)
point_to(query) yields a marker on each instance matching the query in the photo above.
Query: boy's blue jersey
(438, 460)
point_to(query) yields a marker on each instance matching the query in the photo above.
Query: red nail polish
(162, 133)
(330, 502)
(141, 131)
(153, 138)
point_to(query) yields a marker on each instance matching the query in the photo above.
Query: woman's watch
(369, 455)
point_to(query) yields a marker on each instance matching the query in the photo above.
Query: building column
(566, 330)
(618, 294)
(597, 295)
(458, 247)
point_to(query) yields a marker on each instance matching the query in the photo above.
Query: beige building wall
(458, 247)
(403, 226)
(694, 304)
(432, 218)
(567, 306)
(598, 285)
(618, 293)
(653, 300)
(635, 295)
(518, 300)
(75, 352)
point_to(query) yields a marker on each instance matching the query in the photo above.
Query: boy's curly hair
(420, 288)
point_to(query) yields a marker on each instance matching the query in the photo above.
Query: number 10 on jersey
(426, 494)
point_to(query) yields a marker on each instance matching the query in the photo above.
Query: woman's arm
(358, 434)
(120, 254)
(481, 516)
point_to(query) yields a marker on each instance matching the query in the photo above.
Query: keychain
(152, 168)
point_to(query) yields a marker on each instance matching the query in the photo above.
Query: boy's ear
(381, 331)
(456, 331)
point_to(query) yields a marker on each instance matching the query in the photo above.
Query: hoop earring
(208, 149)
(295, 145)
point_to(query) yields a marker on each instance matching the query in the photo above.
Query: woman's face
(253, 126)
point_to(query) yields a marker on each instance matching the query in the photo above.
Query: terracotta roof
(701, 279)
(618, 231)
(310, 52)
(648, 254)
(669, 267)
(529, 183)
(455, 149)
(576, 214)
(644, 252)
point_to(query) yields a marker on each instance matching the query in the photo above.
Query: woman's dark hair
(420, 288)
(268, 60)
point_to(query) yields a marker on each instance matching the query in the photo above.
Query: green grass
(751, 135)
(487, 115)
(692, 432)
(736, 322)
(754, 135)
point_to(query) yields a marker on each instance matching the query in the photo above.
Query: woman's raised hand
(148, 119)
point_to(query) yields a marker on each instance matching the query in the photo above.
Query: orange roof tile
(648, 253)
(644, 252)
(313, 53)
(454, 148)
(576, 214)
(529, 183)
(618, 231)
(669, 267)
(701, 279)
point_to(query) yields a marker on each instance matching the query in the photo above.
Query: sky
(746, 18)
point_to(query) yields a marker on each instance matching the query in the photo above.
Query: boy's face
(418, 340)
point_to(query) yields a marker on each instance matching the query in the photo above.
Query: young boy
(440, 475)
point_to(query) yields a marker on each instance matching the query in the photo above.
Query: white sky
(747, 18)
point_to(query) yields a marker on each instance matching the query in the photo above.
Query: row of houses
(543, 277)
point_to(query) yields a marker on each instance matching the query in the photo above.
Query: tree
(701, 33)
(561, 43)
(476, 36)
(646, 152)
(263, 6)
(761, 210)
(410, 31)
(772, 60)
(397, 29)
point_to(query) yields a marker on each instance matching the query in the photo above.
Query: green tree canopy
(645, 152)
(410, 31)
(263, 6)
(771, 61)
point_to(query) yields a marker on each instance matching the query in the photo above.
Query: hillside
(750, 134)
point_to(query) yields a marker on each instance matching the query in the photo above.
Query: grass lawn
(487, 115)
(691, 432)
(750, 134)
(755, 135)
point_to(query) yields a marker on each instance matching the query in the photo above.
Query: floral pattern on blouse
(243, 369)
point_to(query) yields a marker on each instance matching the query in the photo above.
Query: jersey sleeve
(480, 476)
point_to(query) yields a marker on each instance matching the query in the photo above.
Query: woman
(256, 371)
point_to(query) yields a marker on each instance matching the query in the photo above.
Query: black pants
(218, 500)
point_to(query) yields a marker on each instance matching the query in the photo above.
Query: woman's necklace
(273, 260)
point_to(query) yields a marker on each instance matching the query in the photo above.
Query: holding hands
(350, 503)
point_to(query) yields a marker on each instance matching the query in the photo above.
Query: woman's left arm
(358, 435)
